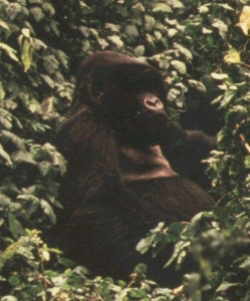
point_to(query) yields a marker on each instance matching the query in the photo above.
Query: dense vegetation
(202, 48)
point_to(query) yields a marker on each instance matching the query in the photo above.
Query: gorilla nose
(153, 103)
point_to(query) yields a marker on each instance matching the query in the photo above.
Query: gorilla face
(134, 104)
(148, 124)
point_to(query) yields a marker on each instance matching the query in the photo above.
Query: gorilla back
(119, 184)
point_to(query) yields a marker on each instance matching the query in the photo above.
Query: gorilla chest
(142, 164)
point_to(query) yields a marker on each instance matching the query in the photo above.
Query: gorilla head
(128, 93)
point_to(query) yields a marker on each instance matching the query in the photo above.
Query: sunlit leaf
(232, 57)
(173, 94)
(162, 7)
(225, 286)
(149, 23)
(26, 54)
(116, 40)
(48, 210)
(197, 85)
(13, 139)
(47, 106)
(247, 165)
(23, 156)
(110, 26)
(221, 26)
(139, 50)
(179, 250)
(184, 51)
(225, 6)
(139, 7)
(172, 32)
(5, 201)
(11, 52)
(48, 80)
(4, 25)
(9, 298)
(175, 3)
(244, 20)
(144, 244)
(2, 92)
(44, 254)
(219, 76)
(132, 30)
(204, 9)
(179, 66)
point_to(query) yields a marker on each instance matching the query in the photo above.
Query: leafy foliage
(202, 48)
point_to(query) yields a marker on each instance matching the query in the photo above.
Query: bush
(203, 51)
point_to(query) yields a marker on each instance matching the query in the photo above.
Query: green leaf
(204, 9)
(45, 168)
(48, 80)
(9, 298)
(13, 139)
(132, 30)
(5, 119)
(149, 23)
(225, 286)
(23, 156)
(15, 226)
(10, 52)
(26, 54)
(35, 1)
(110, 26)
(179, 251)
(48, 210)
(4, 25)
(219, 76)
(5, 201)
(175, 3)
(37, 13)
(144, 244)
(172, 32)
(2, 92)
(139, 50)
(173, 94)
(49, 9)
(162, 7)
(51, 64)
(184, 51)
(221, 26)
(5, 156)
(232, 57)
(198, 85)
(137, 293)
(139, 7)
(247, 162)
(225, 6)
(179, 66)
(244, 20)
(116, 40)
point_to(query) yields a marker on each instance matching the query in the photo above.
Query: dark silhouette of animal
(119, 182)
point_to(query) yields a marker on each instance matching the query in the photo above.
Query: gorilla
(128, 167)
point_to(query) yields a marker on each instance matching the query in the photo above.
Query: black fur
(119, 184)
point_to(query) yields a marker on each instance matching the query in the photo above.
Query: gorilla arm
(91, 151)
(186, 149)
